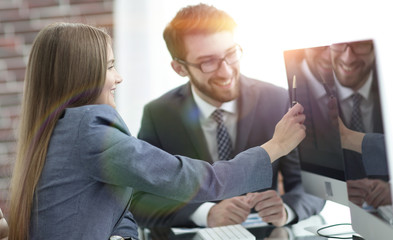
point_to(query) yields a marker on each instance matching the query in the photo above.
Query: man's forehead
(199, 45)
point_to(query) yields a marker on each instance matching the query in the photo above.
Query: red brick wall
(20, 20)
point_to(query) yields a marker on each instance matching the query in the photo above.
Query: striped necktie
(356, 117)
(223, 140)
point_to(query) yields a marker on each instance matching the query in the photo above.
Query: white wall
(266, 28)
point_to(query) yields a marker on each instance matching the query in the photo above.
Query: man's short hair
(196, 19)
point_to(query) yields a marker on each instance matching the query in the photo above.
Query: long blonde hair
(66, 68)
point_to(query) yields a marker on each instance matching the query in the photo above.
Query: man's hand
(374, 192)
(379, 193)
(358, 190)
(229, 211)
(270, 207)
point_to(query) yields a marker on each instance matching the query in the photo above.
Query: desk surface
(332, 213)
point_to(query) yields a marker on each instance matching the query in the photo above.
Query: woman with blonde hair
(77, 164)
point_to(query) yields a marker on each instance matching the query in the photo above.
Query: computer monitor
(323, 85)
(368, 180)
(321, 157)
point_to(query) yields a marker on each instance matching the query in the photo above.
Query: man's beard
(217, 95)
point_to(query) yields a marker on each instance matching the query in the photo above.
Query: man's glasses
(213, 64)
(363, 47)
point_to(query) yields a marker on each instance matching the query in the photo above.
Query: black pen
(294, 91)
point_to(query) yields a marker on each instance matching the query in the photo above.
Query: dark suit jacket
(171, 122)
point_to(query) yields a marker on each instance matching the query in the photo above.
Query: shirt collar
(345, 92)
(207, 109)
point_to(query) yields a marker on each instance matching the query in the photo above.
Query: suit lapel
(189, 115)
(246, 115)
(377, 113)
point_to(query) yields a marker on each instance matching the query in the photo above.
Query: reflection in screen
(320, 151)
(338, 88)
(356, 81)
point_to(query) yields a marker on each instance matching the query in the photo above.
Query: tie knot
(217, 115)
(356, 98)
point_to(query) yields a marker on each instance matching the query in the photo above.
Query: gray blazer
(374, 154)
(93, 165)
(171, 123)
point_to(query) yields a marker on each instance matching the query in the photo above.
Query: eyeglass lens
(214, 64)
(356, 47)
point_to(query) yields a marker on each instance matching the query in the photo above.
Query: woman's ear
(179, 68)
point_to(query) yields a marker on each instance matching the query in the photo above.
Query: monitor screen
(366, 164)
(321, 156)
(343, 157)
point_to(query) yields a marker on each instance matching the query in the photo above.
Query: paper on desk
(253, 220)
(178, 231)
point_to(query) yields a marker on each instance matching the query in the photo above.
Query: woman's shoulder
(99, 114)
(88, 111)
